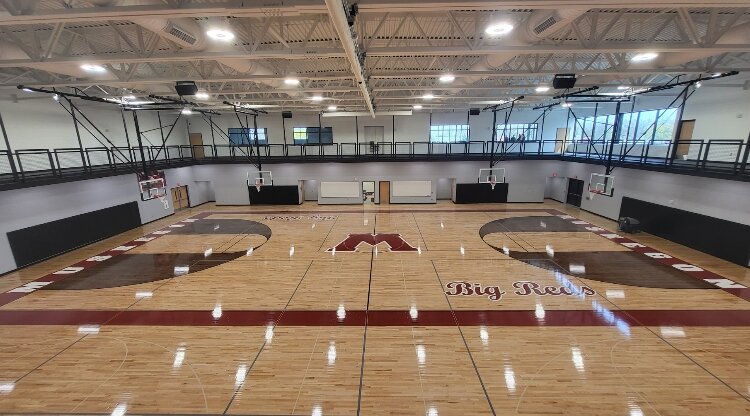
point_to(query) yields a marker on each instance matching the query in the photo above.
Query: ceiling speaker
(473, 111)
(286, 114)
(564, 81)
(186, 88)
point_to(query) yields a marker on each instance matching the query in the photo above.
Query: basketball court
(374, 207)
(495, 309)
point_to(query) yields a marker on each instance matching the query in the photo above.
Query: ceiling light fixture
(499, 29)
(447, 78)
(566, 105)
(428, 96)
(317, 98)
(644, 56)
(291, 81)
(27, 89)
(129, 97)
(332, 108)
(93, 68)
(417, 107)
(622, 87)
(542, 88)
(186, 111)
(698, 84)
(56, 97)
(220, 34)
(201, 95)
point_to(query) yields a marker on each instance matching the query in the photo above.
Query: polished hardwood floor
(489, 309)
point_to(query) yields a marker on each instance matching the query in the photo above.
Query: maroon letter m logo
(394, 241)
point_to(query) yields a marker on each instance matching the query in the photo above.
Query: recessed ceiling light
(644, 56)
(186, 111)
(201, 95)
(447, 78)
(220, 34)
(623, 87)
(428, 96)
(417, 107)
(542, 88)
(291, 81)
(332, 108)
(566, 104)
(93, 68)
(317, 98)
(499, 29)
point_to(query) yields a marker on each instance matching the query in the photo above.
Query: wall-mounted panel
(340, 190)
(411, 188)
(717, 237)
(42, 241)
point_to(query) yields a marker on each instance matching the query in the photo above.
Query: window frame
(449, 133)
(297, 130)
(250, 136)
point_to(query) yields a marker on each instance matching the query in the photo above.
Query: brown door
(180, 197)
(196, 141)
(685, 134)
(385, 192)
(175, 198)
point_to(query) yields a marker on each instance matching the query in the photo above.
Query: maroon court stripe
(365, 211)
(380, 318)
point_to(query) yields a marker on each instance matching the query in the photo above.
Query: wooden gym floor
(533, 309)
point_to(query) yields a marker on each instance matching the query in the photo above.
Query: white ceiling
(404, 47)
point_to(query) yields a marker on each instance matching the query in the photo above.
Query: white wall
(713, 197)
(526, 178)
(26, 207)
(41, 123)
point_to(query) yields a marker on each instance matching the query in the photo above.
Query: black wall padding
(477, 193)
(274, 195)
(721, 238)
(43, 241)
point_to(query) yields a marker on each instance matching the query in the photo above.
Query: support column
(10, 151)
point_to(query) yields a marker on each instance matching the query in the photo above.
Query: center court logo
(352, 241)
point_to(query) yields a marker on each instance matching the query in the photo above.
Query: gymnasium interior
(374, 207)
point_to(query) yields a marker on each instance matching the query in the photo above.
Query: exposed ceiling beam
(338, 18)
(555, 49)
(188, 56)
(297, 7)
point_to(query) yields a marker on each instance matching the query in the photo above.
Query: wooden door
(175, 198)
(180, 198)
(685, 133)
(196, 140)
(385, 192)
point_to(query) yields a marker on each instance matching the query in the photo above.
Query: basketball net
(492, 184)
(258, 184)
(164, 200)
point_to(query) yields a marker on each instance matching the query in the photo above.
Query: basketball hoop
(492, 183)
(258, 183)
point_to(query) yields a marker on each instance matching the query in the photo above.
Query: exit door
(575, 192)
(180, 198)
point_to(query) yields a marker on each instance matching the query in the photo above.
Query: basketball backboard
(601, 184)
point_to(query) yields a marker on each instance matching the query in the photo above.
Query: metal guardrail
(725, 158)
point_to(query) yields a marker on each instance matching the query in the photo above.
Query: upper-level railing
(711, 157)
